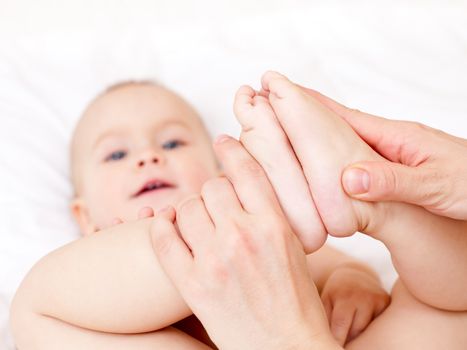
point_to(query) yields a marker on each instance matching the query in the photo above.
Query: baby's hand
(352, 298)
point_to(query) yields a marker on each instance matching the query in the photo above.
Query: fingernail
(222, 138)
(356, 181)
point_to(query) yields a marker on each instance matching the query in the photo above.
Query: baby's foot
(265, 140)
(324, 144)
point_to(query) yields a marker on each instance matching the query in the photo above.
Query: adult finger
(172, 252)
(194, 223)
(387, 181)
(247, 177)
(220, 200)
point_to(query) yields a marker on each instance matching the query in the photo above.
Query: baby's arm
(327, 259)
(108, 282)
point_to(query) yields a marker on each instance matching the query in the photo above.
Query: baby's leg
(324, 145)
(50, 334)
(409, 324)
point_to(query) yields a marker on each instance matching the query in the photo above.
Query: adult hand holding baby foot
(321, 144)
(428, 167)
(324, 145)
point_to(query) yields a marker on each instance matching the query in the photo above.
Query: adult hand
(238, 264)
(429, 167)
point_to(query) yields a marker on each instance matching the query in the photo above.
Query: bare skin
(325, 129)
(312, 129)
(128, 136)
(428, 166)
(220, 269)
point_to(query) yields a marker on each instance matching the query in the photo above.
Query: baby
(140, 145)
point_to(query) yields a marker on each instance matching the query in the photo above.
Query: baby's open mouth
(151, 186)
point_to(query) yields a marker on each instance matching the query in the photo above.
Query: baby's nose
(148, 158)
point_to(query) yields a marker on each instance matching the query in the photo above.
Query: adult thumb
(386, 181)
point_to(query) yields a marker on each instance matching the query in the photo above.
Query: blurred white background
(399, 59)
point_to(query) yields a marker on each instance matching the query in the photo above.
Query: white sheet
(406, 62)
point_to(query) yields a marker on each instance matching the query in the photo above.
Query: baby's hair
(125, 83)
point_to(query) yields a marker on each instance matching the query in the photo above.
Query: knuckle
(418, 127)
(214, 186)
(242, 240)
(216, 268)
(387, 183)
(219, 273)
(188, 204)
(250, 167)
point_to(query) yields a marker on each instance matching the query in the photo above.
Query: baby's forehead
(133, 106)
(137, 100)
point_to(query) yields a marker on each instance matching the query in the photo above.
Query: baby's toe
(278, 85)
(244, 98)
(243, 105)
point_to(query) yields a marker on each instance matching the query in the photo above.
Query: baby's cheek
(105, 203)
(198, 175)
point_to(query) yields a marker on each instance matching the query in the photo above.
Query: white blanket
(396, 60)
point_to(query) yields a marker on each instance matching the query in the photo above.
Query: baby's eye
(117, 155)
(172, 144)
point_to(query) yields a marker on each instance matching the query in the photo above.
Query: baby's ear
(81, 215)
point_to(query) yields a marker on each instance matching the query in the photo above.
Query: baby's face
(138, 145)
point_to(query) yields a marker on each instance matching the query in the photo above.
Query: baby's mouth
(151, 186)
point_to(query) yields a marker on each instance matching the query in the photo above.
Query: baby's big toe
(243, 100)
(251, 109)
(278, 85)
